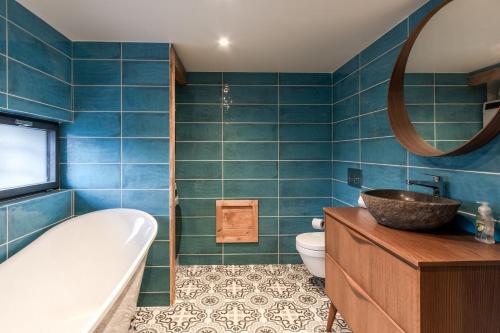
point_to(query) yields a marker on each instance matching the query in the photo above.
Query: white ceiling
(265, 35)
(462, 37)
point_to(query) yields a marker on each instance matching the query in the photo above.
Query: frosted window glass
(23, 156)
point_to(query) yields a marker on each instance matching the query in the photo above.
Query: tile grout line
(278, 165)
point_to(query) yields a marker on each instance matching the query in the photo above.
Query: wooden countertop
(420, 249)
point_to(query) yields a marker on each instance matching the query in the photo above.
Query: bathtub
(83, 275)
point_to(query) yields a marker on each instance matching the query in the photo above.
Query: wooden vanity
(385, 280)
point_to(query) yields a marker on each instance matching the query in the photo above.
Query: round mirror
(444, 97)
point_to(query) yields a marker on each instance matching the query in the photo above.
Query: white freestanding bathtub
(83, 275)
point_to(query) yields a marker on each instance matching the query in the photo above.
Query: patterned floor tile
(241, 299)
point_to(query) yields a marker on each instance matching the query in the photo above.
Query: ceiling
(444, 46)
(265, 35)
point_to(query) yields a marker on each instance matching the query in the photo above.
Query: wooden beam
(172, 205)
(180, 71)
(485, 77)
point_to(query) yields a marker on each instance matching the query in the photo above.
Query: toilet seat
(312, 241)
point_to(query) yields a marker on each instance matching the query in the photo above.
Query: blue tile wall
(116, 151)
(264, 136)
(35, 66)
(360, 103)
(23, 220)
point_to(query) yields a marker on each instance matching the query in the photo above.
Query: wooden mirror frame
(400, 122)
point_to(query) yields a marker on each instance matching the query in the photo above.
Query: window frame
(14, 120)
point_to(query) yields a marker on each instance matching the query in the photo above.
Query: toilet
(311, 247)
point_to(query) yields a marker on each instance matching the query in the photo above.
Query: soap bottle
(485, 224)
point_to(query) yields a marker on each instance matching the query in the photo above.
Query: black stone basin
(409, 210)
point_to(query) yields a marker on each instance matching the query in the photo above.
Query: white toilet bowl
(311, 247)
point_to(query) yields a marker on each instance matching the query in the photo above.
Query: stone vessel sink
(409, 210)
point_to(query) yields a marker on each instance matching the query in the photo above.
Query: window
(28, 156)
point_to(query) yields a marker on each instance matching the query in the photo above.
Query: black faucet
(437, 184)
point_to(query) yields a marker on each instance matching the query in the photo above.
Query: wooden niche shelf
(237, 221)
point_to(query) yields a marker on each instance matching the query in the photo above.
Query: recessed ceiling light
(223, 41)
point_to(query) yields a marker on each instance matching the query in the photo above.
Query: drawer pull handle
(354, 286)
(358, 239)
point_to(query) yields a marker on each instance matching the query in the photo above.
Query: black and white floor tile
(241, 299)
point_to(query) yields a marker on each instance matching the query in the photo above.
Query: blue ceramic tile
(3, 253)
(305, 113)
(295, 225)
(290, 259)
(250, 132)
(28, 83)
(374, 98)
(20, 243)
(288, 244)
(346, 69)
(29, 50)
(29, 21)
(385, 151)
(419, 14)
(145, 176)
(395, 36)
(87, 201)
(303, 206)
(204, 78)
(198, 132)
(3, 225)
(198, 151)
(305, 132)
(375, 125)
(153, 299)
(450, 94)
(200, 260)
(454, 131)
(346, 151)
(250, 259)
(198, 226)
(457, 112)
(90, 176)
(159, 254)
(268, 206)
(149, 73)
(251, 113)
(346, 108)
(268, 226)
(346, 88)
(154, 202)
(93, 124)
(266, 244)
(419, 94)
(345, 193)
(379, 70)
(381, 176)
(305, 95)
(250, 188)
(3, 100)
(90, 150)
(305, 169)
(163, 227)
(196, 207)
(339, 170)
(146, 99)
(198, 245)
(96, 50)
(96, 72)
(250, 170)
(250, 151)
(31, 215)
(305, 151)
(3, 74)
(30, 108)
(145, 151)
(155, 279)
(251, 94)
(149, 51)
(419, 79)
(97, 98)
(202, 113)
(250, 78)
(324, 79)
(201, 188)
(425, 130)
(3, 8)
(144, 124)
(198, 94)
(450, 79)
(198, 170)
(420, 113)
(304, 188)
(346, 130)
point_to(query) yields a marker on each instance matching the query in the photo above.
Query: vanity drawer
(390, 282)
(357, 308)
